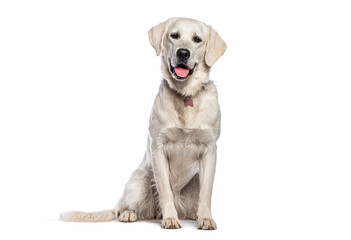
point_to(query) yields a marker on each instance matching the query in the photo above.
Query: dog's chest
(183, 148)
(189, 113)
(186, 126)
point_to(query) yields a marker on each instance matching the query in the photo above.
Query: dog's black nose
(183, 54)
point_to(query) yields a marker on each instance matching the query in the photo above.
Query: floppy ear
(215, 47)
(156, 36)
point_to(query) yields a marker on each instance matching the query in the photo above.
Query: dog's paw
(206, 224)
(193, 216)
(171, 223)
(127, 216)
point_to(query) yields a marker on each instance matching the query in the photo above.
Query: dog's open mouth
(181, 70)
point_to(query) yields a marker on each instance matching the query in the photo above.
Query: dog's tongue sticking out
(181, 72)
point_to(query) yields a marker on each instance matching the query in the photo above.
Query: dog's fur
(174, 180)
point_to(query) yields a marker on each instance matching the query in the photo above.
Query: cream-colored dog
(174, 180)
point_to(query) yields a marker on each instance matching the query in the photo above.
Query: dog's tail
(103, 216)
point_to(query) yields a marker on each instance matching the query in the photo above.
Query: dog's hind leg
(190, 198)
(128, 216)
(138, 200)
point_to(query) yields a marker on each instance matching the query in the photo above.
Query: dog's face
(187, 46)
(184, 48)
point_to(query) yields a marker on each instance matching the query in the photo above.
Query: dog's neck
(191, 86)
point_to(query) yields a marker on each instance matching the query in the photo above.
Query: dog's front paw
(206, 224)
(171, 223)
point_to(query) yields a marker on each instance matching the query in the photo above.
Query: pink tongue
(181, 72)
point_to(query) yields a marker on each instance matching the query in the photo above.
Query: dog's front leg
(161, 171)
(207, 166)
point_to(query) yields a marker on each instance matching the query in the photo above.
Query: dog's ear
(215, 47)
(156, 36)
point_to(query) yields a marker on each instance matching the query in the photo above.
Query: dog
(175, 179)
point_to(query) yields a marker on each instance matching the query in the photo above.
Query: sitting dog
(174, 180)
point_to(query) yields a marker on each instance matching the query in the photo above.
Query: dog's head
(188, 47)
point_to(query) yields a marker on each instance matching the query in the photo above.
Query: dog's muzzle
(181, 71)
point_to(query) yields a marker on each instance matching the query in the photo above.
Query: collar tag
(188, 102)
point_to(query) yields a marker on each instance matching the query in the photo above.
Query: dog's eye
(197, 39)
(175, 35)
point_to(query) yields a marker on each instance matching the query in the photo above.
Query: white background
(77, 83)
